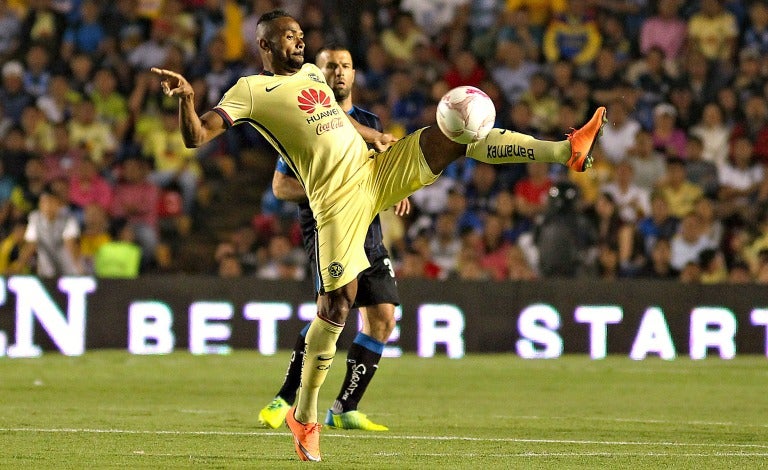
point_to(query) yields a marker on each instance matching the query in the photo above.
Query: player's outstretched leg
(306, 437)
(273, 415)
(362, 362)
(502, 146)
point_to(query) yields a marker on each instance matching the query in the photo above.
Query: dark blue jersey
(374, 246)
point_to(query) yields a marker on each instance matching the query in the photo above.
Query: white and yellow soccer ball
(465, 114)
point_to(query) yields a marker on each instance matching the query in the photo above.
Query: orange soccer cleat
(306, 437)
(583, 141)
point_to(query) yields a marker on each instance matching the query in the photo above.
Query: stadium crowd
(96, 179)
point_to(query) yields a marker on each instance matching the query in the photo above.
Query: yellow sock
(503, 146)
(318, 357)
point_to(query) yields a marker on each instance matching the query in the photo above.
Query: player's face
(286, 45)
(339, 72)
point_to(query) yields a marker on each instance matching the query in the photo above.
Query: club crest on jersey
(335, 269)
(315, 77)
(310, 99)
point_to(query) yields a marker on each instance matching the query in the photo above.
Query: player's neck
(346, 105)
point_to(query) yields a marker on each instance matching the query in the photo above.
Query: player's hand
(403, 207)
(383, 141)
(174, 84)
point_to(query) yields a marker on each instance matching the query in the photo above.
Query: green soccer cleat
(352, 420)
(273, 415)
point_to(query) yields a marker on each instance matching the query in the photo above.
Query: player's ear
(264, 45)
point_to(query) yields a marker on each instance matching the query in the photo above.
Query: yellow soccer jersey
(299, 116)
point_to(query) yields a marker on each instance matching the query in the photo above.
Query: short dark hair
(272, 15)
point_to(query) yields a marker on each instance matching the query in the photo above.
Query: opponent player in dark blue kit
(377, 292)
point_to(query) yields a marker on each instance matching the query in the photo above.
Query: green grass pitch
(108, 409)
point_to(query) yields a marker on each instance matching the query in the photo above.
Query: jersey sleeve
(237, 103)
(283, 168)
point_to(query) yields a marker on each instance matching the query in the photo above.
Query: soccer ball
(465, 114)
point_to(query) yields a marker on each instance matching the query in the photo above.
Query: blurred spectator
(619, 134)
(26, 195)
(749, 78)
(512, 224)
(135, 199)
(660, 224)
(59, 102)
(94, 235)
(400, 40)
(81, 73)
(711, 226)
(51, 237)
(481, 189)
(494, 248)
(512, 71)
(111, 106)
(153, 51)
(516, 26)
(739, 274)
(649, 166)
(658, 263)
(591, 182)
(754, 126)
(37, 75)
(119, 257)
(518, 266)
(688, 242)
(698, 171)
(464, 70)
(38, 131)
(702, 79)
(540, 13)
(229, 267)
(756, 34)
(632, 201)
(43, 25)
(531, 191)
(572, 35)
(616, 41)
(282, 261)
(12, 93)
(667, 137)
(86, 34)
(7, 185)
(680, 194)
(173, 161)
(406, 101)
(713, 31)
(712, 265)
(740, 180)
(714, 134)
(544, 106)
(10, 29)
(10, 247)
(95, 138)
(606, 77)
(691, 273)
(666, 30)
(87, 187)
(60, 162)
(445, 245)
(654, 83)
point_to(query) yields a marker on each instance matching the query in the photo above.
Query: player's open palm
(174, 84)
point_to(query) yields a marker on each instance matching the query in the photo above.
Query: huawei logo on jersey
(311, 98)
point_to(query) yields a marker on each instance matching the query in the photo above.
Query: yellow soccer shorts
(390, 177)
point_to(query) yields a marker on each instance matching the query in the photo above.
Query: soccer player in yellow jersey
(291, 105)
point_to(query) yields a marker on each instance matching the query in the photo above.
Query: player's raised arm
(380, 140)
(287, 188)
(195, 130)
